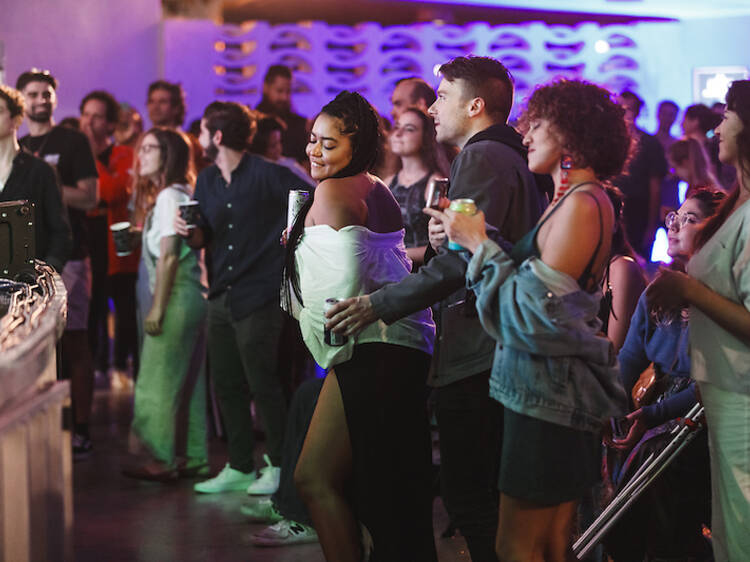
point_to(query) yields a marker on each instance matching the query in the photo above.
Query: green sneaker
(228, 480)
(261, 511)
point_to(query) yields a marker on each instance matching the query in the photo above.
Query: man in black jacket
(276, 102)
(474, 100)
(22, 176)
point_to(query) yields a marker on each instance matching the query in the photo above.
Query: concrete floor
(119, 519)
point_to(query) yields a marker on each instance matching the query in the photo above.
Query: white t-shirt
(723, 264)
(350, 262)
(161, 221)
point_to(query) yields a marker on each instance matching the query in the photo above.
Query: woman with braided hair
(347, 241)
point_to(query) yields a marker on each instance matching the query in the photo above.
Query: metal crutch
(642, 479)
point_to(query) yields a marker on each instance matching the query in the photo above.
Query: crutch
(649, 471)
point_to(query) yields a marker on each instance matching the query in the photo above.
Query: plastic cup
(189, 213)
(122, 238)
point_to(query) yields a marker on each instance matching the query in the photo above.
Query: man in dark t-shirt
(69, 153)
(22, 176)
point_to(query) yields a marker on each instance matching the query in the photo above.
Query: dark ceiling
(392, 12)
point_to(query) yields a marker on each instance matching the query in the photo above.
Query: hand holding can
(332, 338)
(465, 207)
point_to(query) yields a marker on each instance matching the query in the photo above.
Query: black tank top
(527, 247)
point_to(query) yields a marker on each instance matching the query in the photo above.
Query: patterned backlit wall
(370, 58)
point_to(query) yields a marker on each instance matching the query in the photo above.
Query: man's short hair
(421, 90)
(35, 75)
(13, 99)
(632, 96)
(485, 78)
(235, 122)
(112, 107)
(669, 103)
(177, 96)
(275, 71)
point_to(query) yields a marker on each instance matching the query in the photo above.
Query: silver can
(297, 199)
(437, 188)
(332, 338)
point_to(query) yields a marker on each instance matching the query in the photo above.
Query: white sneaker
(261, 511)
(284, 533)
(268, 482)
(227, 480)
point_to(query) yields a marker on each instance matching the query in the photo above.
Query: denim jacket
(550, 362)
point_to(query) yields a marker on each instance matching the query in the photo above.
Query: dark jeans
(122, 292)
(470, 425)
(99, 304)
(244, 353)
(301, 409)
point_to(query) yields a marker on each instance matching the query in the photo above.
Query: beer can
(465, 207)
(436, 189)
(297, 199)
(331, 338)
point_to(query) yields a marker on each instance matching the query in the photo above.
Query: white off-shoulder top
(350, 262)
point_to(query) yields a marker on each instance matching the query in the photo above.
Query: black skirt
(546, 463)
(384, 394)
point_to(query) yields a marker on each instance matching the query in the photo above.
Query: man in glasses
(69, 153)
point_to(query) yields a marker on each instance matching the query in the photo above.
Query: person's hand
(667, 291)
(351, 316)
(153, 321)
(284, 237)
(181, 226)
(636, 431)
(436, 233)
(467, 231)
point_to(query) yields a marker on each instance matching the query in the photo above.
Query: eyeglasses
(146, 148)
(677, 220)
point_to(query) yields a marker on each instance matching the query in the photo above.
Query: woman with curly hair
(364, 469)
(553, 371)
(716, 287)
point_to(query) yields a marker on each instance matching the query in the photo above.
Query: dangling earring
(566, 163)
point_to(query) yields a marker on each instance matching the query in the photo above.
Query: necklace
(38, 151)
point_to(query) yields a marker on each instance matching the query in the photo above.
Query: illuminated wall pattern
(369, 58)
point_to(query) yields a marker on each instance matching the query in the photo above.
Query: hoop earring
(566, 163)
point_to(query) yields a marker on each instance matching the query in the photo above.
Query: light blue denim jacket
(550, 362)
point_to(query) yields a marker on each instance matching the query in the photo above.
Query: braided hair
(359, 121)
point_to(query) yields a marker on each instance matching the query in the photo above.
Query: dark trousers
(244, 359)
(99, 304)
(301, 409)
(122, 291)
(470, 425)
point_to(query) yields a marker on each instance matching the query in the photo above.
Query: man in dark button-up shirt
(243, 200)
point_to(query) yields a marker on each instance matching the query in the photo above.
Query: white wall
(86, 44)
(674, 49)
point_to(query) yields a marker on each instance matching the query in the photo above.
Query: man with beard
(69, 152)
(276, 102)
(243, 202)
(22, 176)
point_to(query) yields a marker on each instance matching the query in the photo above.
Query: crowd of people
(522, 330)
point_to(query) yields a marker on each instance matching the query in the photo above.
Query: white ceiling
(673, 9)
